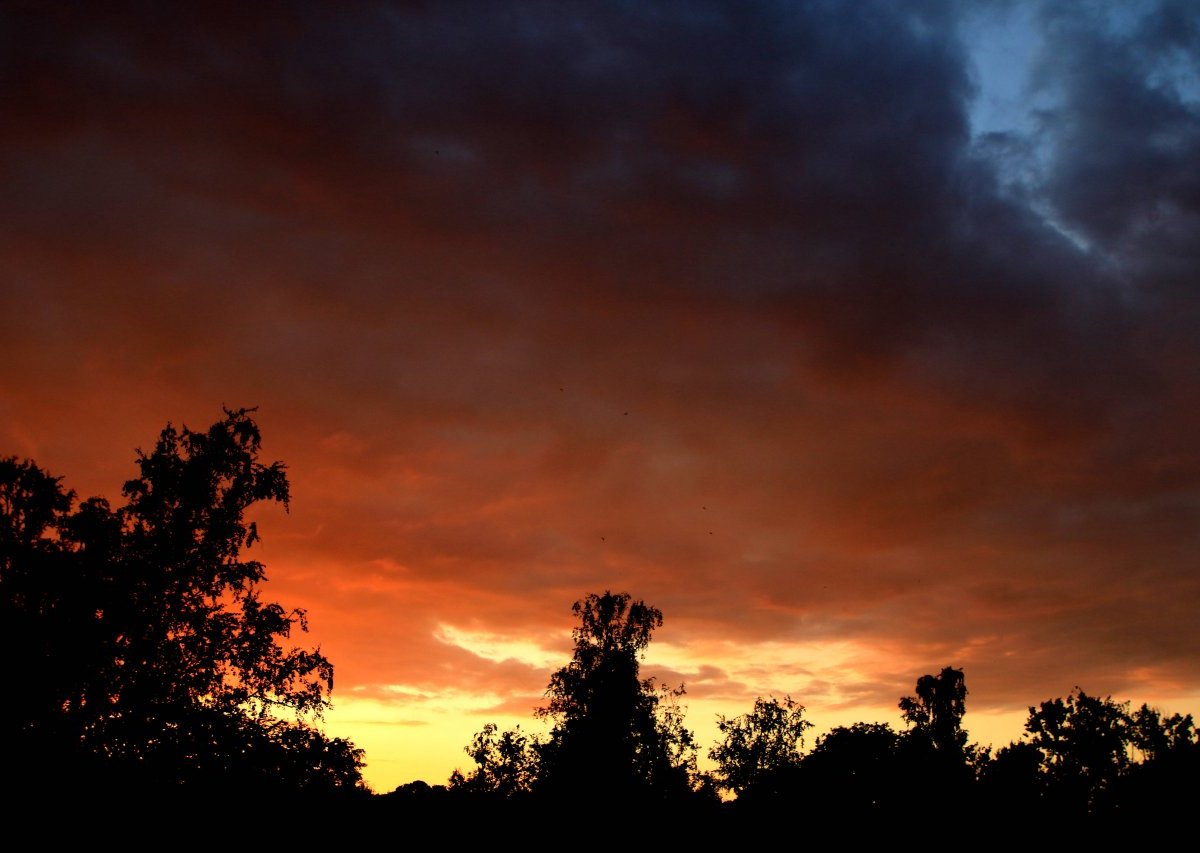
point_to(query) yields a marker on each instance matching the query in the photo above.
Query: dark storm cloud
(807, 156)
(1127, 128)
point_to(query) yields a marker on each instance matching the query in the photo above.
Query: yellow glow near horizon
(413, 733)
(410, 732)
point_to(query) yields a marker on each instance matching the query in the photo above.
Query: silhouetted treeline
(145, 667)
(619, 745)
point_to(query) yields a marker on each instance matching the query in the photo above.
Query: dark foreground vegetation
(1087, 766)
(148, 665)
(147, 676)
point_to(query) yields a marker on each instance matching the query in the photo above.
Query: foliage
(1080, 759)
(41, 613)
(937, 710)
(759, 746)
(154, 647)
(505, 763)
(1158, 737)
(1083, 740)
(853, 769)
(677, 769)
(615, 735)
(202, 636)
(1012, 778)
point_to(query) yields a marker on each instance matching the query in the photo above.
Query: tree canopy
(615, 736)
(937, 710)
(505, 764)
(759, 748)
(152, 650)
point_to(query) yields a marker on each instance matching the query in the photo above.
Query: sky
(858, 338)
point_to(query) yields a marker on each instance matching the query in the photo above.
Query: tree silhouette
(1012, 781)
(937, 710)
(1084, 742)
(615, 736)
(760, 749)
(1164, 787)
(159, 657)
(505, 764)
(853, 772)
(43, 606)
(1160, 737)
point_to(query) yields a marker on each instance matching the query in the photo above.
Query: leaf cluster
(764, 743)
(150, 643)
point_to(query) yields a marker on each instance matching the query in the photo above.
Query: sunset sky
(861, 339)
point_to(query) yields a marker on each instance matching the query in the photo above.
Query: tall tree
(614, 734)
(166, 662)
(937, 710)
